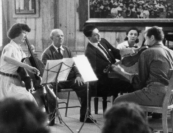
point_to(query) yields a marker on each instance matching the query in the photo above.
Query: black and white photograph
(86, 66)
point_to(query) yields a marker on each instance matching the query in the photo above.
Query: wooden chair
(68, 98)
(104, 103)
(167, 105)
(168, 38)
(66, 102)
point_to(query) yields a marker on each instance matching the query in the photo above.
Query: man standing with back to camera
(101, 54)
(58, 51)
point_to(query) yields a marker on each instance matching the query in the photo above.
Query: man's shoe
(51, 123)
(150, 114)
(88, 120)
(156, 116)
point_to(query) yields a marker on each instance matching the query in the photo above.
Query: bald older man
(58, 51)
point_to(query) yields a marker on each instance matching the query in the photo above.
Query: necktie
(59, 51)
(104, 50)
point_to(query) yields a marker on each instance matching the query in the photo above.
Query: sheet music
(85, 68)
(64, 67)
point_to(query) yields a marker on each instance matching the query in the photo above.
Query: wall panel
(63, 18)
(71, 24)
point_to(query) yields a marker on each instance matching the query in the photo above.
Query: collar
(94, 44)
(136, 44)
(16, 45)
(158, 43)
(57, 47)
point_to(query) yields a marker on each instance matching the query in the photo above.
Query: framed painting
(25, 8)
(124, 13)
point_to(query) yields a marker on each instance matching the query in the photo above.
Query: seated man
(101, 54)
(58, 51)
(154, 64)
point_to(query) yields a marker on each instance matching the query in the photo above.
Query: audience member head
(132, 35)
(17, 29)
(92, 33)
(153, 35)
(57, 37)
(125, 118)
(21, 117)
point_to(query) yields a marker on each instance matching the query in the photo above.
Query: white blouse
(12, 87)
(12, 50)
(125, 49)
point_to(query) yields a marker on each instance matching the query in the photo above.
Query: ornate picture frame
(131, 9)
(109, 22)
(25, 8)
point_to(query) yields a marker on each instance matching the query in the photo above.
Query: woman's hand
(21, 64)
(33, 70)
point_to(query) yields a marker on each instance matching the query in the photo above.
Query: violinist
(12, 54)
(131, 42)
(154, 64)
(101, 54)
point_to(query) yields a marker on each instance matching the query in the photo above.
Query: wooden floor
(72, 121)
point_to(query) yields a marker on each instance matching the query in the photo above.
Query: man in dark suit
(58, 51)
(101, 54)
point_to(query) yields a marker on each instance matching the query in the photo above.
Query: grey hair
(53, 31)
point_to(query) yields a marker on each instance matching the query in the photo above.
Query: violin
(131, 59)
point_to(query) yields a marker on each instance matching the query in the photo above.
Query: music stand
(54, 72)
(88, 75)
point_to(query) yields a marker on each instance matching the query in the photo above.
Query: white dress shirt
(61, 49)
(96, 46)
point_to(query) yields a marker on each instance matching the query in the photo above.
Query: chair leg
(164, 122)
(112, 99)
(68, 98)
(96, 100)
(104, 104)
(172, 120)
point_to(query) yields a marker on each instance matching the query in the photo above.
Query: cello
(33, 80)
(42, 94)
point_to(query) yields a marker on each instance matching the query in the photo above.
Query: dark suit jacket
(99, 62)
(51, 53)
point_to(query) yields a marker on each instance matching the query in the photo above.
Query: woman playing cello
(12, 54)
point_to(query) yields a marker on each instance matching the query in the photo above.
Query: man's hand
(79, 81)
(118, 72)
(117, 68)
